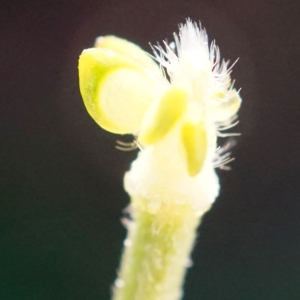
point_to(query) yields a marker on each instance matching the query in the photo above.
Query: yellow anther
(194, 138)
(163, 115)
(116, 89)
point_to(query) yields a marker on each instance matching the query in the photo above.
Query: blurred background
(61, 194)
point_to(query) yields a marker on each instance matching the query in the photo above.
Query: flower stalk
(156, 252)
(176, 119)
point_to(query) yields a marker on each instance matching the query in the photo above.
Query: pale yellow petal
(225, 105)
(163, 115)
(195, 144)
(116, 89)
(127, 48)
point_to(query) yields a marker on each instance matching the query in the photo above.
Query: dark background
(61, 177)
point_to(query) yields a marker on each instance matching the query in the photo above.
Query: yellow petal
(163, 115)
(127, 48)
(225, 105)
(116, 89)
(194, 138)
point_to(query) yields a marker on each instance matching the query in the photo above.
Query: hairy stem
(157, 251)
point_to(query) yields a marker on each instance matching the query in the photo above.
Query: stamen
(228, 126)
(125, 146)
(228, 134)
(230, 143)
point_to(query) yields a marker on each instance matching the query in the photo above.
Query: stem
(157, 251)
